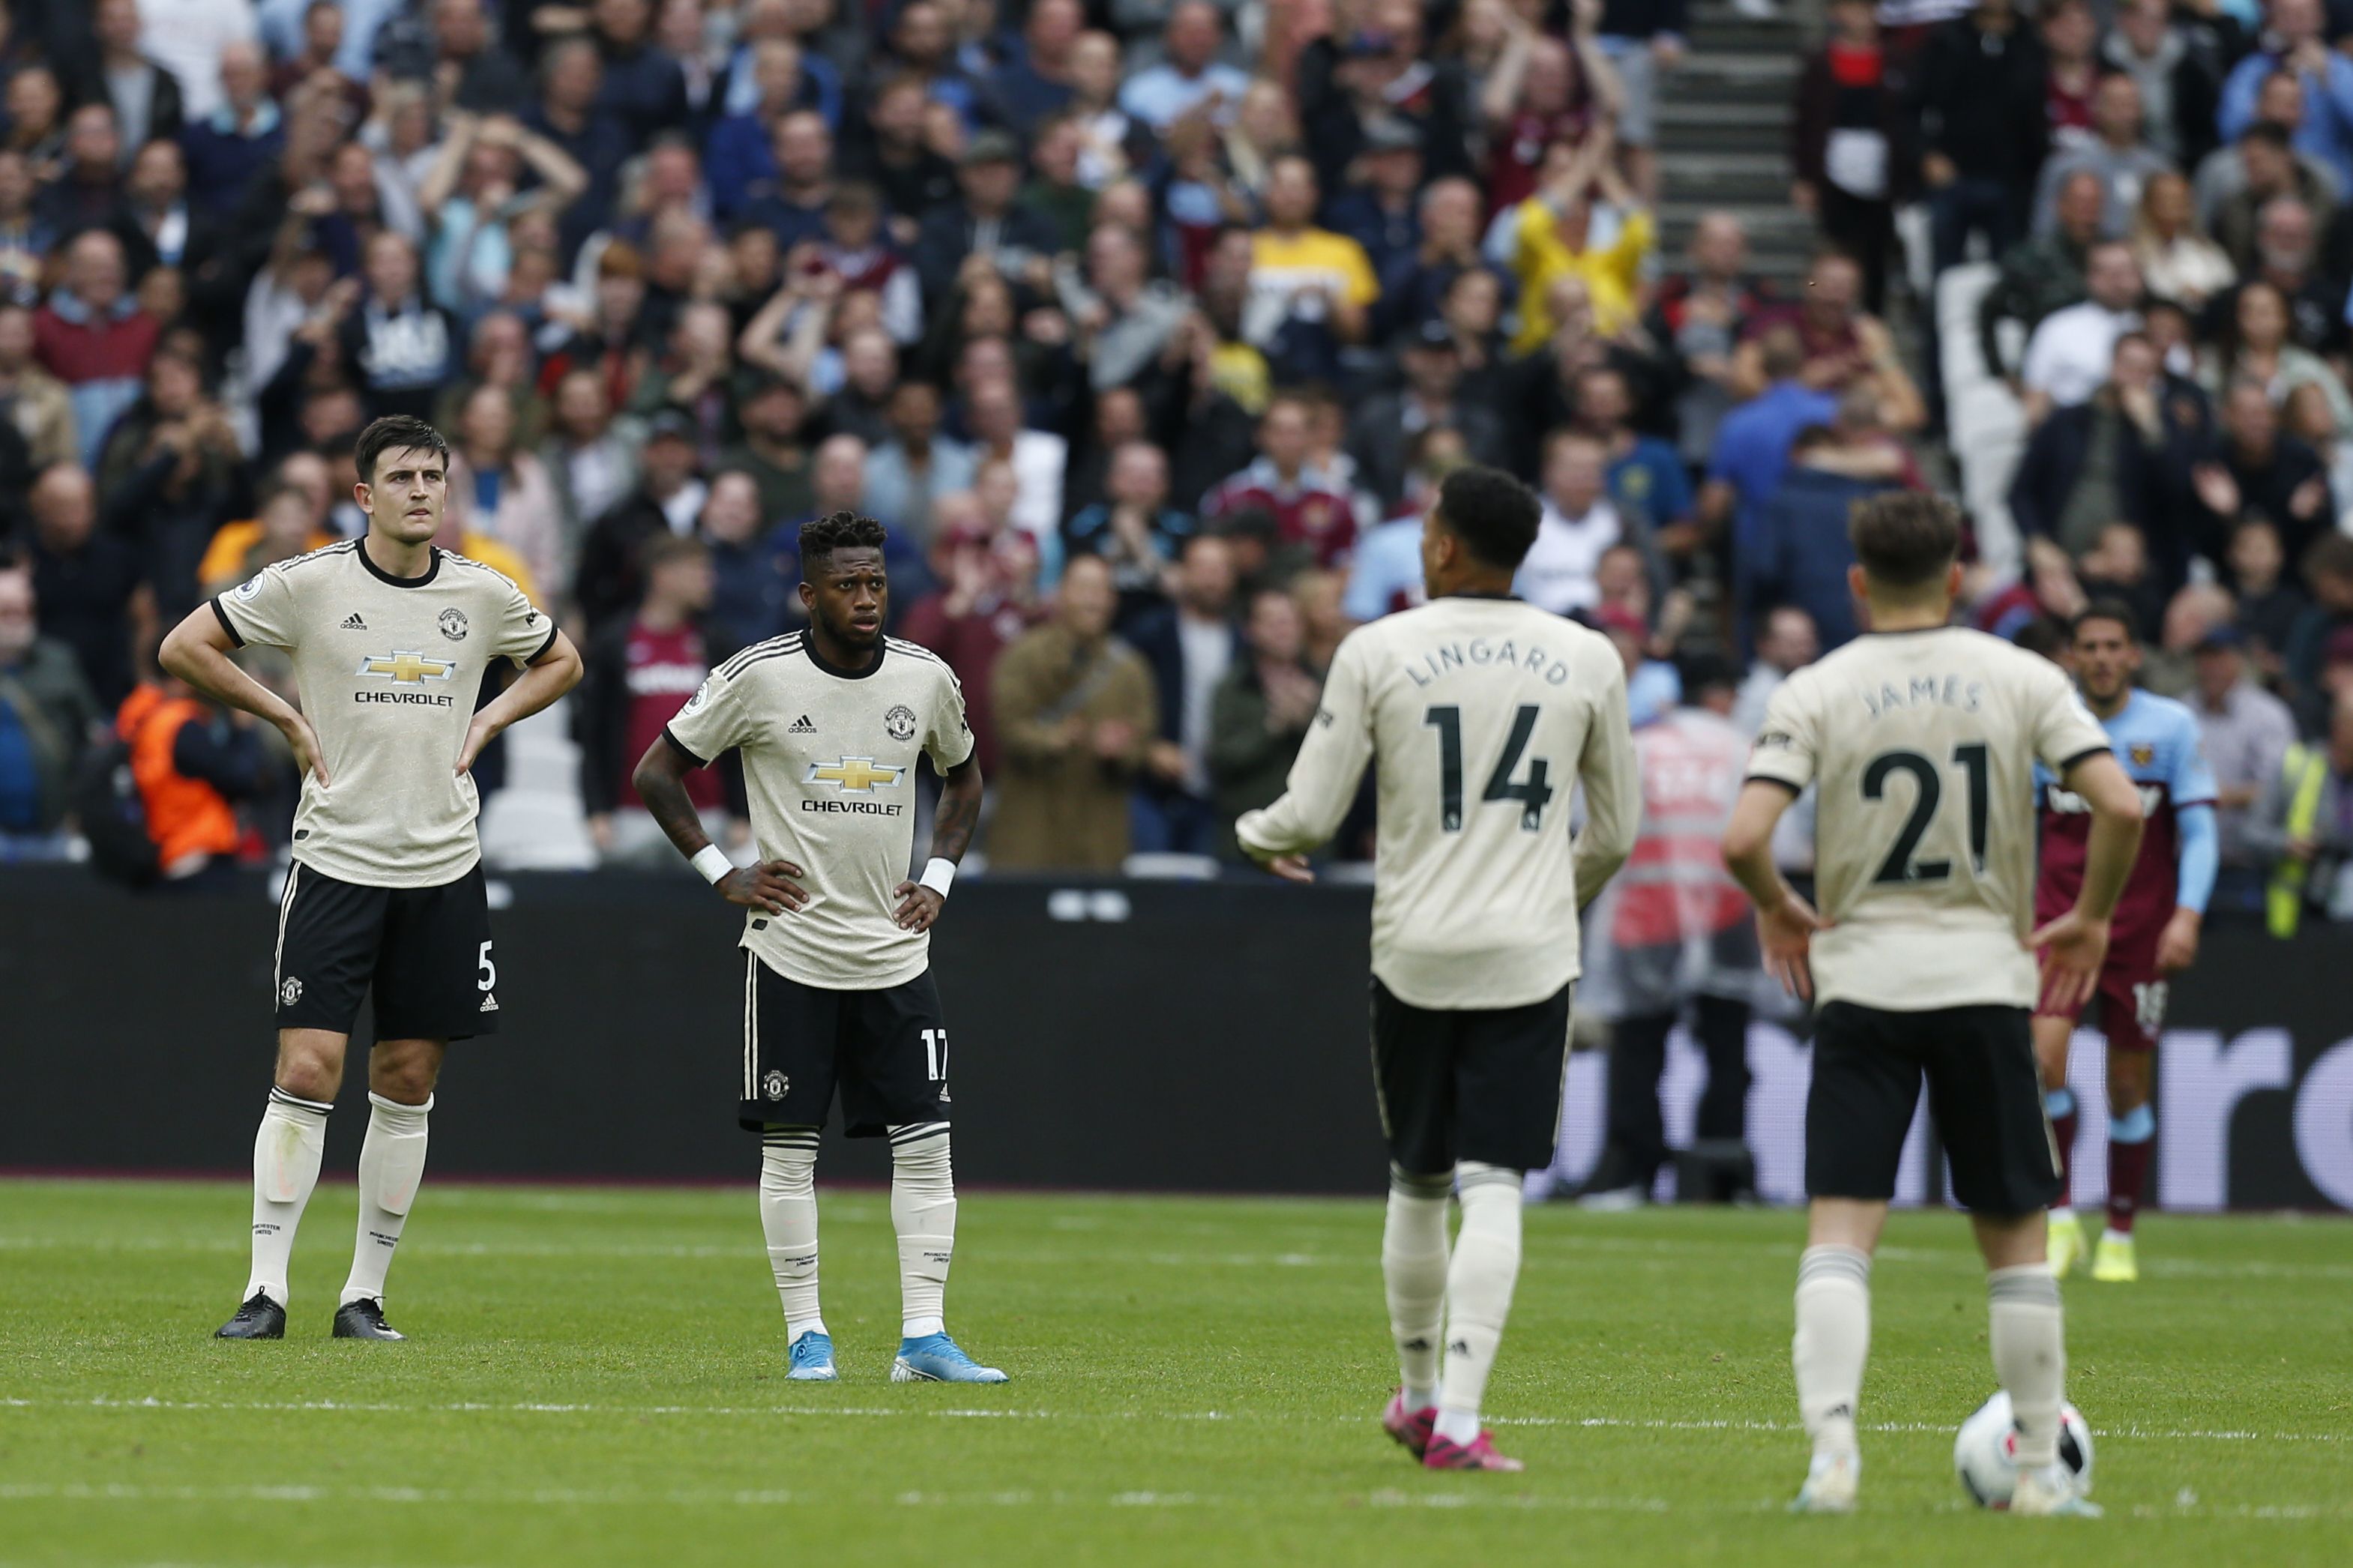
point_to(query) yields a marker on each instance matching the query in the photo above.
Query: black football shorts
(1470, 1084)
(1978, 1063)
(423, 952)
(885, 1050)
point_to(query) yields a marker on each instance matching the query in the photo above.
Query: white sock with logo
(2027, 1334)
(392, 1166)
(788, 1217)
(1413, 1271)
(286, 1152)
(924, 1213)
(1832, 1341)
(1479, 1283)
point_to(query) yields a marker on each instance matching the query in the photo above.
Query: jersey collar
(809, 647)
(381, 575)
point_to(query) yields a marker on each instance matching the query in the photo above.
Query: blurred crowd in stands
(1148, 327)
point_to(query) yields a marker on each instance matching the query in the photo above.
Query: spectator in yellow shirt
(1552, 237)
(1310, 289)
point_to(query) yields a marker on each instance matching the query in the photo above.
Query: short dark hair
(1706, 670)
(1492, 512)
(2264, 131)
(394, 433)
(821, 536)
(1907, 540)
(2041, 635)
(2107, 609)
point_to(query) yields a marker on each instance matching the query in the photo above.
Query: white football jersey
(829, 765)
(1923, 744)
(1481, 715)
(388, 669)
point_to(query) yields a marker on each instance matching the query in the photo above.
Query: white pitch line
(2133, 1431)
(1163, 1257)
(1386, 1497)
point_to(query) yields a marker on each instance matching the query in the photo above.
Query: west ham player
(391, 638)
(1920, 736)
(838, 991)
(1480, 714)
(2157, 922)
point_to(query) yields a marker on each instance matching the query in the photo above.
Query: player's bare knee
(1845, 1222)
(2010, 1241)
(405, 1070)
(310, 1064)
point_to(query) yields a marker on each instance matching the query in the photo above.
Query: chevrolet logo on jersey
(407, 667)
(860, 773)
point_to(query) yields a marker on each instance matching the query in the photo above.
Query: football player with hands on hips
(391, 637)
(838, 992)
(1919, 737)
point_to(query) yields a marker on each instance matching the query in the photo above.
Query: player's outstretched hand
(1787, 933)
(919, 906)
(772, 887)
(2072, 949)
(308, 758)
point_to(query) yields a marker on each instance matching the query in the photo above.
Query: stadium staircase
(1724, 133)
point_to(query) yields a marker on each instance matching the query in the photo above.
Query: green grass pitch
(595, 1377)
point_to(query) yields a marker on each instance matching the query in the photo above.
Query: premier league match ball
(1985, 1451)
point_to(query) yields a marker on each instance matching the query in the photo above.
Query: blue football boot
(935, 1358)
(812, 1359)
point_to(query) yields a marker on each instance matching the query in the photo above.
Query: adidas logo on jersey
(351, 622)
(490, 1004)
(801, 726)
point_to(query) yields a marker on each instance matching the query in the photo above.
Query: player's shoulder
(754, 660)
(2166, 716)
(923, 661)
(298, 571)
(467, 573)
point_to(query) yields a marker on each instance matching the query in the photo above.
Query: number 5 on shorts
(935, 1054)
(487, 972)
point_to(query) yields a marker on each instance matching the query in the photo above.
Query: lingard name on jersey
(1434, 665)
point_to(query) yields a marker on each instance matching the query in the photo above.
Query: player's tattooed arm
(952, 831)
(772, 887)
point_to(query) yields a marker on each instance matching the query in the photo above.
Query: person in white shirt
(1581, 522)
(2067, 358)
(186, 37)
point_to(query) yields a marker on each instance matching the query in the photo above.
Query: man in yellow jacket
(1552, 235)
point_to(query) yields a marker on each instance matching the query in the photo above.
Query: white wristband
(712, 862)
(939, 875)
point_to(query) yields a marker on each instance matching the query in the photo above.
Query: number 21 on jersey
(1532, 792)
(1901, 866)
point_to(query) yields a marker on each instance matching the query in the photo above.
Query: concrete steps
(1723, 135)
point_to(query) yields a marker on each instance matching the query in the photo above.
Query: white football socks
(923, 1214)
(286, 1154)
(2028, 1335)
(788, 1216)
(1834, 1340)
(392, 1163)
(1413, 1269)
(1479, 1281)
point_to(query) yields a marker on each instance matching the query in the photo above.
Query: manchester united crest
(900, 723)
